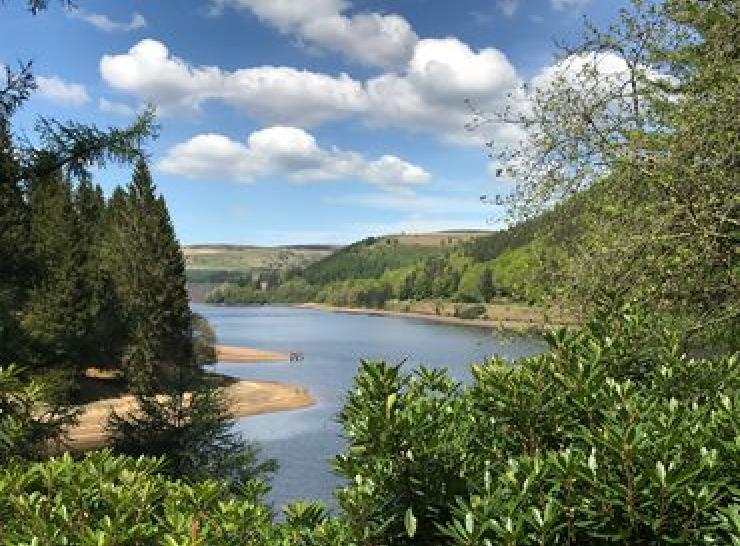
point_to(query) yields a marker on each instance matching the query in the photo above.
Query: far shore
(502, 320)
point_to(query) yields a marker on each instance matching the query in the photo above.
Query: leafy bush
(612, 437)
(106, 500)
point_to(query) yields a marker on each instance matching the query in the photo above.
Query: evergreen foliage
(149, 275)
(32, 418)
(189, 426)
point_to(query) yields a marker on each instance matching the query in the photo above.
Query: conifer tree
(14, 263)
(150, 280)
(55, 316)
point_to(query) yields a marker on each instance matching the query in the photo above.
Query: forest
(625, 431)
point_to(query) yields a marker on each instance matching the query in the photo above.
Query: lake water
(333, 345)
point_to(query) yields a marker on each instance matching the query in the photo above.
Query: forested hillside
(475, 269)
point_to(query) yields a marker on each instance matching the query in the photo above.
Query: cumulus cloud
(431, 94)
(285, 151)
(106, 24)
(428, 95)
(59, 91)
(272, 94)
(370, 38)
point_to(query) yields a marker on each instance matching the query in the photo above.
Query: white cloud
(59, 91)
(431, 94)
(114, 107)
(370, 38)
(105, 23)
(428, 95)
(272, 94)
(284, 151)
(568, 4)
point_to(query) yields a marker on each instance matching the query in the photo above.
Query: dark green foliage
(56, 315)
(32, 417)
(149, 275)
(295, 290)
(470, 311)
(16, 267)
(356, 293)
(189, 425)
(366, 259)
(486, 285)
(204, 341)
(482, 249)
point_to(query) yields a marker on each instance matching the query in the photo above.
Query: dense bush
(295, 290)
(470, 311)
(612, 437)
(107, 500)
(356, 293)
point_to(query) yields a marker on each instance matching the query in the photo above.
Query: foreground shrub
(107, 500)
(612, 437)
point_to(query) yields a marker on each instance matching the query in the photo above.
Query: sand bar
(247, 398)
(228, 353)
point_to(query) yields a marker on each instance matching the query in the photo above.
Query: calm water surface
(333, 344)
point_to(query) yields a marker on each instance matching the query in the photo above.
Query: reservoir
(333, 345)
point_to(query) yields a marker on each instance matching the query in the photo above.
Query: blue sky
(299, 121)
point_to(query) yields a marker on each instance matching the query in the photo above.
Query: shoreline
(504, 323)
(247, 397)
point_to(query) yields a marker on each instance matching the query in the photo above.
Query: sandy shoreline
(506, 323)
(247, 398)
(231, 354)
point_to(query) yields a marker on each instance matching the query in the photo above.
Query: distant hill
(372, 257)
(211, 264)
(244, 258)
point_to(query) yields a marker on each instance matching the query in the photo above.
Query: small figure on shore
(296, 357)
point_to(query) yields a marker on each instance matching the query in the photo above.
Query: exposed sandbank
(247, 398)
(228, 353)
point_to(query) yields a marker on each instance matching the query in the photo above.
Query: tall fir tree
(55, 317)
(149, 271)
(15, 266)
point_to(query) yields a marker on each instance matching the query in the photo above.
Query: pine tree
(149, 271)
(15, 267)
(55, 316)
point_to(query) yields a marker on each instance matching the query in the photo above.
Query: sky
(299, 121)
